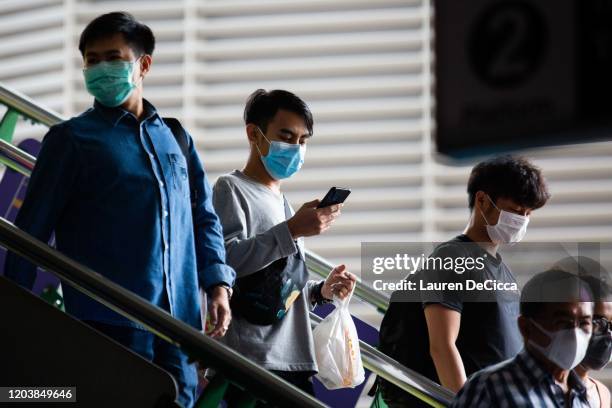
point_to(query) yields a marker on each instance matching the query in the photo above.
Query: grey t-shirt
(256, 234)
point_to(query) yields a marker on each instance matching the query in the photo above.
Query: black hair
(509, 177)
(552, 286)
(262, 106)
(136, 34)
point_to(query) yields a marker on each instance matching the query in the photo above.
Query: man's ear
(251, 132)
(145, 64)
(480, 201)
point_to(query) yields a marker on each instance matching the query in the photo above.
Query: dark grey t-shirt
(489, 331)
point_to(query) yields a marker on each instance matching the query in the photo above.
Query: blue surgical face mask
(110, 82)
(283, 159)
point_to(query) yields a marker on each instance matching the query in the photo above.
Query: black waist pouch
(265, 296)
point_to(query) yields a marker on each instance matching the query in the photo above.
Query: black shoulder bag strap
(183, 141)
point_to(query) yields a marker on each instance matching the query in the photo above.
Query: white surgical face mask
(510, 228)
(567, 347)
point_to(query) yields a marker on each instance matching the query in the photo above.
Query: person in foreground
(264, 242)
(556, 325)
(113, 185)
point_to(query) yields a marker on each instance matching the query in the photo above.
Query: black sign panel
(515, 73)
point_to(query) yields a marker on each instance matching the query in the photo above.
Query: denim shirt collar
(114, 115)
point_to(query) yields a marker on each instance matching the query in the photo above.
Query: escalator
(239, 371)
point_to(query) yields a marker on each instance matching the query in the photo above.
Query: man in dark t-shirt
(471, 329)
(488, 333)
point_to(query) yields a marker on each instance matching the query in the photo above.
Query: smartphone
(335, 195)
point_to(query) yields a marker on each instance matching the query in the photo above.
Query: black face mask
(599, 351)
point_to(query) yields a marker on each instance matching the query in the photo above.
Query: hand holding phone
(335, 195)
(314, 217)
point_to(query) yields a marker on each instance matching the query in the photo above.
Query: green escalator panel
(8, 124)
(216, 390)
(52, 296)
(213, 394)
(378, 401)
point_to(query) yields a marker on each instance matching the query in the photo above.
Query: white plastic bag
(337, 349)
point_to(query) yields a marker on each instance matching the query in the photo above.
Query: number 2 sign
(503, 68)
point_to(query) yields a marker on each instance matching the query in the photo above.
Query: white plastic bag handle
(343, 303)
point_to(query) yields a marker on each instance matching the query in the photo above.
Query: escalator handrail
(202, 348)
(27, 107)
(20, 160)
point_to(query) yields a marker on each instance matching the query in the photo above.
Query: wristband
(317, 295)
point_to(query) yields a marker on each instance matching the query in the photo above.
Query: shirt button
(161, 184)
(165, 213)
(151, 156)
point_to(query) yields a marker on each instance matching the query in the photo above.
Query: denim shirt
(116, 193)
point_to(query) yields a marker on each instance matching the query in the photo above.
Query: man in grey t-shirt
(260, 228)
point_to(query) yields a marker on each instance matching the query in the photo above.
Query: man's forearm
(449, 366)
(252, 254)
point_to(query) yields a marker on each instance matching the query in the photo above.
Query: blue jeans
(158, 351)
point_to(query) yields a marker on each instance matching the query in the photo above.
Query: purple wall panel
(12, 192)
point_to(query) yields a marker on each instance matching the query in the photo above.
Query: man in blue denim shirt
(113, 185)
